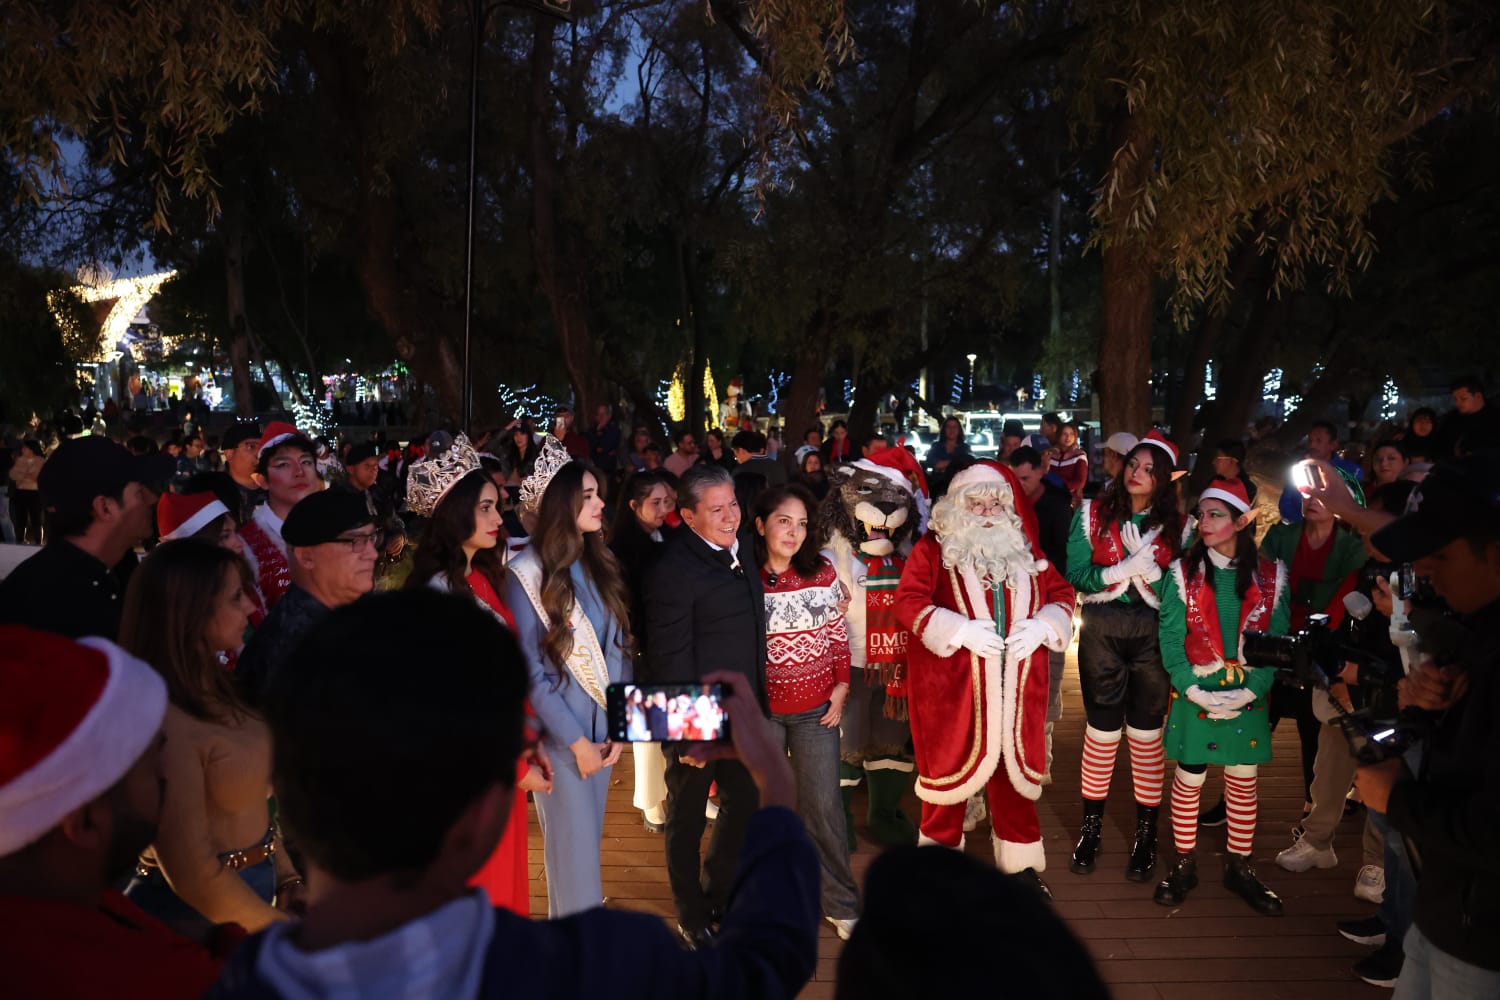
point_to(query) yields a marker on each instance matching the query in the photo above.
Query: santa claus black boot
(1181, 879)
(1240, 879)
(1143, 852)
(1086, 853)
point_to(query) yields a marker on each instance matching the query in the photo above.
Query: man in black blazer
(705, 612)
(656, 717)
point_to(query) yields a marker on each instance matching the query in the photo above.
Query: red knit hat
(74, 719)
(180, 515)
(1230, 491)
(1158, 440)
(276, 433)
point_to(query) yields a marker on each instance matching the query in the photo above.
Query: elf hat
(182, 515)
(275, 434)
(75, 718)
(1158, 440)
(1230, 491)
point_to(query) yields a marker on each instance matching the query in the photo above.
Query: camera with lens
(1305, 658)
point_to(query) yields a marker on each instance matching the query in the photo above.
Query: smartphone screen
(666, 713)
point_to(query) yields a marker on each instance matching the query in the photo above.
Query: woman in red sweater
(807, 678)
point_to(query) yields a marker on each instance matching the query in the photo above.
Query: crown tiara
(430, 480)
(549, 462)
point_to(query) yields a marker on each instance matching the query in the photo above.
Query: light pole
(971, 358)
(480, 14)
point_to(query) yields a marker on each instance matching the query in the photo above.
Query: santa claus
(986, 607)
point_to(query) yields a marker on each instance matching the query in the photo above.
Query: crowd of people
(276, 706)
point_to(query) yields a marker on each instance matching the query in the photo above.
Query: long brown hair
(559, 544)
(1114, 503)
(441, 549)
(172, 593)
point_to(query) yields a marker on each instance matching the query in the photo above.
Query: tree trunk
(560, 278)
(810, 362)
(694, 405)
(1129, 303)
(233, 234)
(1240, 388)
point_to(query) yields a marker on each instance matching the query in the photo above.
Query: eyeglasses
(977, 505)
(356, 543)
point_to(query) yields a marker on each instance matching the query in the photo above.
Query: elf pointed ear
(1244, 520)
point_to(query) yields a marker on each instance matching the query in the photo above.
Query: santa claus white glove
(1130, 534)
(980, 637)
(1138, 563)
(1026, 638)
(1210, 700)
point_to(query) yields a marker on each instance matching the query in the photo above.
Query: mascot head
(874, 505)
(984, 521)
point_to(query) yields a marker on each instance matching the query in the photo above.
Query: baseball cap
(1120, 442)
(1443, 507)
(322, 517)
(88, 467)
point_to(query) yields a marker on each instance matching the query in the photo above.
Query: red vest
(1205, 644)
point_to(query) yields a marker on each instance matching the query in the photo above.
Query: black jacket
(65, 590)
(1054, 518)
(637, 553)
(1450, 813)
(702, 616)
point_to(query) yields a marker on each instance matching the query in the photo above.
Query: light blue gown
(572, 814)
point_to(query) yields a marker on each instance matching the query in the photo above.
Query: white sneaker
(1302, 855)
(710, 810)
(974, 812)
(1370, 884)
(843, 928)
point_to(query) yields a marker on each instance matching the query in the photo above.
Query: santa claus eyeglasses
(985, 505)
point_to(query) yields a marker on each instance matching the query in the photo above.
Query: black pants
(702, 896)
(1119, 667)
(1288, 702)
(26, 515)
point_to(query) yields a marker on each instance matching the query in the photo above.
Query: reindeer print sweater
(807, 637)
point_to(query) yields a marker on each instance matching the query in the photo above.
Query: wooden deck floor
(1232, 952)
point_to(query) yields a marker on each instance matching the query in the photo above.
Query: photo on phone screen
(667, 713)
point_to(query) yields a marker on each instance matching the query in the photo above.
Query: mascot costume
(876, 507)
(984, 607)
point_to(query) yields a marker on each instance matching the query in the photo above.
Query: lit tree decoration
(311, 417)
(1271, 387)
(1290, 404)
(97, 284)
(677, 396)
(1209, 389)
(1390, 397)
(710, 395)
(779, 381)
(526, 402)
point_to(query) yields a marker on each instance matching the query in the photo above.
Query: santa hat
(987, 470)
(75, 718)
(275, 434)
(1158, 440)
(1230, 491)
(902, 463)
(182, 515)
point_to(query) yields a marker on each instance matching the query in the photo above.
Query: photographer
(1450, 811)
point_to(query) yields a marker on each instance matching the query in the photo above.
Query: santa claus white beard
(992, 551)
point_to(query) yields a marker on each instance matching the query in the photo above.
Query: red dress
(504, 876)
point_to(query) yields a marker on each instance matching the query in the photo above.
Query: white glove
(1210, 700)
(1138, 563)
(1026, 638)
(1130, 534)
(980, 637)
(1235, 700)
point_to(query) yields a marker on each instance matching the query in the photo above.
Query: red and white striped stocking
(1241, 805)
(1148, 764)
(1099, 749)
(1187, 789)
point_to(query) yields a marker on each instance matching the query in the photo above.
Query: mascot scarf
(885, 639)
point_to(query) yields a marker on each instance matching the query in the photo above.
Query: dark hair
(1232, 448)
(1025, 455)
(1051, 418)
(943, 431)
(71, 520)
(35, 446)
(1468, 382)
(1114, 503)
(686, 432)
(1246, 555)
(752, 441)
(370, 769)
(1423, 411)
(1391, 498)
(302, 444)
(441, 549)
(1012, 428)
(558, 545)
(699, 479)
(807, 558)
(907, 939)
(802, 464)
(651, 447)
(1391, 443)
(839, 423)
(171, 594)
(636, 489)
(1072, 425)
(812, 430)
(221, 485)
(714, 432)
(876, 437)
(1327, 425)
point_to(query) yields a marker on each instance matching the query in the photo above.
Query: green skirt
(1193, 738)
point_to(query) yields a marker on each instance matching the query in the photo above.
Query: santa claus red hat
(182, 515)
(74, 719)
(1158, 440)
(987, 470)
(1230, 491)
(277, 432)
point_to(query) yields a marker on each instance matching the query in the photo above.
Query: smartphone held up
(667, 713)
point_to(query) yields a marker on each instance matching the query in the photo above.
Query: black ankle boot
(1181, 879)
(1240, 879)
(1087, 850)
(1143, 852)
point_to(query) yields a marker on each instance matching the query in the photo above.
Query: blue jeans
(1400, 884)
(1432, 974)
(814, 749)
